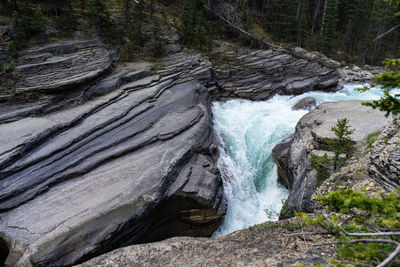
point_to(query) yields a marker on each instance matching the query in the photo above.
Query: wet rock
(354, 74)
(292, 156)
(6, 32)
(50, 30)
(305, 103)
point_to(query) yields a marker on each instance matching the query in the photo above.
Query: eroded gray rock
(171, 43)
(385, 157)
(291, 156)
(61, 65)
(305, 103)
(258, 75)
(135, 165)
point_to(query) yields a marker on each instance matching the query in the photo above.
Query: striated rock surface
(384, 162)
(135, 165)
(61, 65)
(258, 75)
(291, 156)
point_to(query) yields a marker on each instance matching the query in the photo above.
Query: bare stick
(357, 241)
(391, 257)
(387, 32)
(370, 234)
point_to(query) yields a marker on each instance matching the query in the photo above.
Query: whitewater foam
(248, 131)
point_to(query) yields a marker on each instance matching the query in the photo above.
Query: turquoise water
(248, 131)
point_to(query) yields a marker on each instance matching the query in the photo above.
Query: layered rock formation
(61, 65)
(135, 165)
(291, 156)
(384, 164)
(259, 75)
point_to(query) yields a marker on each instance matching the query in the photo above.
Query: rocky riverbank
(292, 156)
(95, 158)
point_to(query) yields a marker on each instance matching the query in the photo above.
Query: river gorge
(95, 159)
(249, 131)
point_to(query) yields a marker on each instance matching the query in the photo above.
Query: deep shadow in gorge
(4, 251)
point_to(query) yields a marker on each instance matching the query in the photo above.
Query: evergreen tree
(342, 143)
(99, 16)
(389, 80)
(329, 25)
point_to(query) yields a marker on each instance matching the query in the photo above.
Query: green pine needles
(371, 238)
(340, 144)
(388, 103)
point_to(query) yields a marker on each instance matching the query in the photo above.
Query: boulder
(305, 103)
(135, 165)
(171, 43)
(60, 66)
(292, 155)
(6, 32)
(354, 74)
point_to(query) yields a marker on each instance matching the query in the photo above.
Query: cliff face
(93, 159)
(134, 165)
(260, 74)
(385, 157)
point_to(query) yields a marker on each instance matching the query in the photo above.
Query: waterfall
(248, 131)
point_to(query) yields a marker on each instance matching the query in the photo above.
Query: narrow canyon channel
(248, 131)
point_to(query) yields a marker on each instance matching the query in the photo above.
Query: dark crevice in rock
(4, 251)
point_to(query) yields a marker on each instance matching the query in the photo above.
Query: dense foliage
(359, 31)
(350, 30)
(390, 103)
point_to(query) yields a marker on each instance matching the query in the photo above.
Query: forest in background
(359, 31)
(351, 31)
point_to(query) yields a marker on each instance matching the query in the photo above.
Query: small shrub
(127, 52)
(342, 143)
(28, 21)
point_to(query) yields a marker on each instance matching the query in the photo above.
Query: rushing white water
(248, 131)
